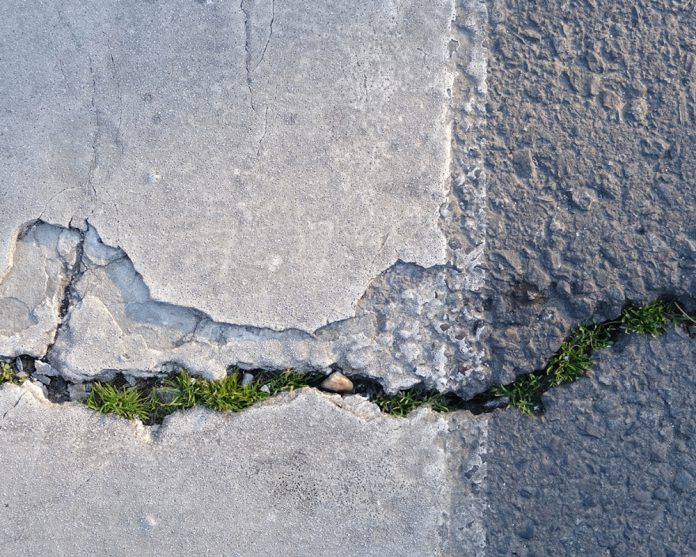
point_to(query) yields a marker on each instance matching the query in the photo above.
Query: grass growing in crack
(233, 394)
(404, 402)
(127, 402)
(573, 359)
(8, 375)
(183, 391)
(155, 399)
(650, 319)
(524, 394)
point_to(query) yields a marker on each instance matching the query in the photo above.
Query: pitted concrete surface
(308, 475)
(260, 161)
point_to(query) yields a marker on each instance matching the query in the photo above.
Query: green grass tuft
(230, 394)
(405, 402)
(650, 319)
(524, 394)
(126, 402)
(183, 391)
(8, 375)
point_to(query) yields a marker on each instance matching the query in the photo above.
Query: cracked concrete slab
(260, 161)
(309, 474)
(531, 171)
(113, 325)
(32, 290)
(266, 198)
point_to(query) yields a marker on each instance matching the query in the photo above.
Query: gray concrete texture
(274, 181)
(307, 474)
(261, 161)
(590, 166)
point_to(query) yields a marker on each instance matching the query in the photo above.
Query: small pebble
(247, 379)
(43, 368)
(337, 383)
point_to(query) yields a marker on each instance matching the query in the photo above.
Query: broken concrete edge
(151, 400)
(429, 331)
(99, 319)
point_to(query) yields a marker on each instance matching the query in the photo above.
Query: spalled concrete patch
(113, 325)
(297, 476)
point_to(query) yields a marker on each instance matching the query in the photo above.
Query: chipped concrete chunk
(32, 290)
(114, 325)
(262, 482)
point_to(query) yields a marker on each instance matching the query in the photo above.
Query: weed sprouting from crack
(127, 402)
(9, 375)
(152, 402)
(650, 319)
(405, 402)
(573, 359)
(154, 399)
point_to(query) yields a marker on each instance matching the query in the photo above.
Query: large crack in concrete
(412, 325)
(103, 321)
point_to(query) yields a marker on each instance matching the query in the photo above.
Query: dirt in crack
(151, 400)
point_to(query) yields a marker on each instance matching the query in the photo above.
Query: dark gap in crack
(242, 388)
(69, 288)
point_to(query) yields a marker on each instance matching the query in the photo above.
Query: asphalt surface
(609, 469)
(590, 166)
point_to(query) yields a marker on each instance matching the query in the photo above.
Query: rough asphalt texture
(610, 468)
(590, 165)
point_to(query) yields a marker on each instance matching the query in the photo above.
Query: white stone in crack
(337, 383)
(32, 290)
